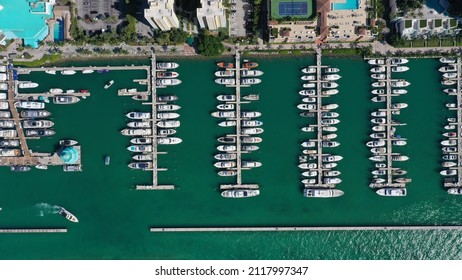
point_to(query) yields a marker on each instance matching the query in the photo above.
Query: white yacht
(449, 68)
(226, 148)
(309, 70)
(166, 65)
(224, 73)
(309, 100)
(322, 192)
(27, 85)
(331, 70)
(306, 106)
(87, 71)
(379, 114)
(168, 82)
(398, 91)
(448, 82)
(51, 72)
(240, 193)
(451, 75)
(398, 60)
(138, 115)
(168, 107)
(329, 92)
(378, 76)
(331, 77)
(168, 124)
(139, 124)
(307, 92)
(225, 106)
(224, 114)
(29, 105)
(250, 81)
(376, 61)
(250, 114)
(251, 73)
(448, 172)
(251, 164)
(329, 107)
(329, 121)
(310, 173)
(399, 142)
(376, 143)
(331, 158)
(68, 72)
(223, 81)
(379, 99)
(251, 123)
(398, 69)
(308, 78)
(227, 123)
(169, 140)
(391, 192)
(168, 115)
(455, 191)
(450, 90)
(399, 83)
(399, 105)
(56, 90)
(329, 85)
(447, 60)
(380, 69)
(226, 97)
(136, 132)
(378, 84)
(309, 85)
(252, 130)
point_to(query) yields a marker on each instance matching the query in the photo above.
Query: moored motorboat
(168, 124)
(249, 64)
(68, 72)
(227, 123)
(455, 191)
(322, 193)
(447, 60)
(138, 115)
(250, 81)
(168, 82)
(29, 105)
(167, 65)
(68, 142)
(223, 81)
(392, 192)
(240, 193)
(168, 107)
(166, 74)
(140, 148)
(65, 99)
(37, 124)
(251, 73)
(225, 65)
(139, 124)
(39, 132)
(141, 165)
(224, 73)
(398, 69)
(136, 132)
(309, 70)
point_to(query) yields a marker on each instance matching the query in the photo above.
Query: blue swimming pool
(59, 31)
(348, 5)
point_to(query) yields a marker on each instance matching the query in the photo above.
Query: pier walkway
(94, 68)
(33, 230)
(239, 184)
(354, 228)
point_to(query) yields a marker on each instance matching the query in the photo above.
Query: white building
(211, 15)
(161, 15)
(411, 28)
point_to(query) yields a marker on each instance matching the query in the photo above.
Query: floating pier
(33, 230)
(250, 229)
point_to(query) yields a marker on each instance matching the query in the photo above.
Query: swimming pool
(59, 31)
(348, 5)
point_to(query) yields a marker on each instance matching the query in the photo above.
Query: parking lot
(92, 13)
(240, 17)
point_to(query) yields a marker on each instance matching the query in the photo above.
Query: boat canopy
(69, 155)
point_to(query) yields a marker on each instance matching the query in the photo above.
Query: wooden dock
(33, 230)
(26, 70)
(260, 229)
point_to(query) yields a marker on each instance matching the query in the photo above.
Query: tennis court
(293, 9)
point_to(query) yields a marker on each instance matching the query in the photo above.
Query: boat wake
(46, 209)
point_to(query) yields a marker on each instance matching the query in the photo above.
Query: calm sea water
(115, 219)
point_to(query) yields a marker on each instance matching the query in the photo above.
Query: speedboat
(138, 115)
(227, 140)
(37, 124)
(68, 72)
(251, 123)
(251, 164)
(376, 61)
(136, 132)
(108, 84)
(450, 134)
(142, 157)
(223, 81)
(332, 181)
(449, 157)
(249, 64)
(140, 148)
(38, 132)
(168, 124)
(65, 99)
(224, 73)
(168, 107)
(329, 85)
(379, 121)
(329, 92)
(449, 142)
(379, 69)
(450, 90)
(29, 105)
(378, 84)
(379, 114)
(309, 85)
(141, 141)
(227, 173)
(139, 124)
(398, 106)
(329, 121)
(448, 82)
(169, 140)
(27, 85)
(239, 193)
(399, 158)
(226, 97)
(251, 139)
(378, 150)
(447, 60)
(167, 98)
(329, 114)
(250, 114)
(309, 99)
(224, 114)
(309, 70)
(168, 82)
(167, 65)
(378, 158)
(308, 78)
(306, 106)
(399, 83)
(251, 97)
(140, 165)
(226, 148)
(309, 92)
(448, 172)
(449, 68)
(224, 164)
(455, 191)
(391, 192)
(398, 69)
(227, 123)
(329, 107)
(378, 76)
(331, 70)
(450, 75)
(379, 99)
(225, 65)
(331, 158)
(376, 143)
(397, 60)
(168, 115)
(251, 73)
(68, 215)
(399, 142)
(379, 128)
(51, 72)
(225, 156)
(331, 77)
(249, 148)
(252, 130)
(378, 135)
(398, 91)
(322, 193)
(310, 173)
(166, 74)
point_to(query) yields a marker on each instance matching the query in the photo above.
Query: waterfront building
(160, 15)
(25, 20)
(412, 28)
(211, 15)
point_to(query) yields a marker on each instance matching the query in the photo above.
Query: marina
(320, 176)
(195, 198)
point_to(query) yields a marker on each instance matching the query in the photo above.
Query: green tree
(210, 45)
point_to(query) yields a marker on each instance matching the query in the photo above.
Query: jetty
(340, 228)
(33, 230)
(390, 128)
(456, 181)
(318, 112)
(238, 135)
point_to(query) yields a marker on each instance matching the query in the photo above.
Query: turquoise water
(348, 5)
(17, 21)
(37, 7)
(59, 31)
(115, 219)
